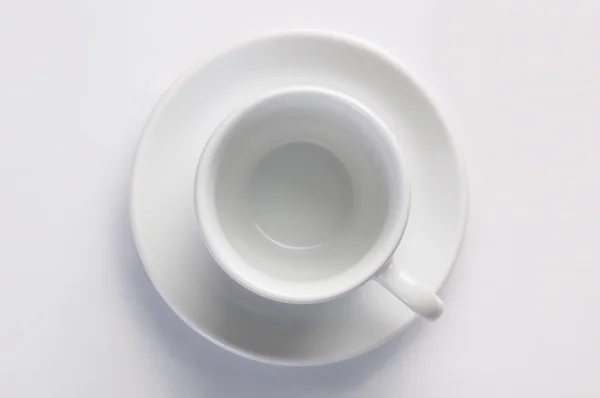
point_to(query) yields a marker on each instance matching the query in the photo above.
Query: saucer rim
(320, 34)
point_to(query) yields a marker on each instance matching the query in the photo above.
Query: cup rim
(225, 255)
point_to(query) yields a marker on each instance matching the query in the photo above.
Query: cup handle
(411, 292)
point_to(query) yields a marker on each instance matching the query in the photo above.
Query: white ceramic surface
(302, 196)
(162, 210)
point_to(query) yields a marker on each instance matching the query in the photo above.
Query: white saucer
(169, 241)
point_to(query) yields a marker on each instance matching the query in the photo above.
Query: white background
(78, 316)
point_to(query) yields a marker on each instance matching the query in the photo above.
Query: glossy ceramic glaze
(163, 212)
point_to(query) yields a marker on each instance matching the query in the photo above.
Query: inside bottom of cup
(300, 196)
(299, 211)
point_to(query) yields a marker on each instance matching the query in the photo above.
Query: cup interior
(301, 196)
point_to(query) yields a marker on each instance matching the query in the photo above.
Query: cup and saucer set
(299, 199)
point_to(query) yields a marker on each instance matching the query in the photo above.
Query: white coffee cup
(302, 196)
